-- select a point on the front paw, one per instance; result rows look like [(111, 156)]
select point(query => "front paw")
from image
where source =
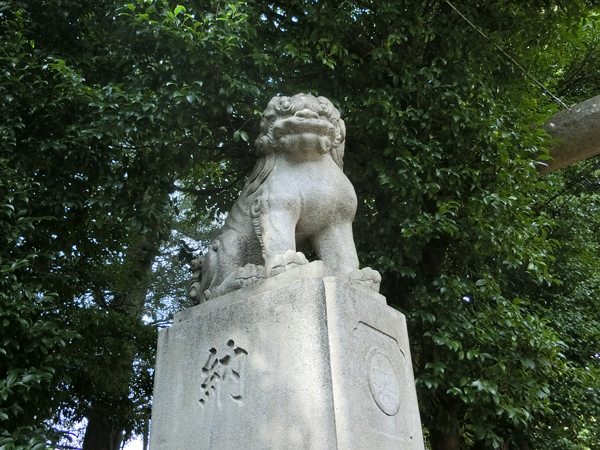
[(366, 277), (286, 262), (249, 274), (238, 279)]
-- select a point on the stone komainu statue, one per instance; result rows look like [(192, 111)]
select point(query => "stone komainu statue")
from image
[(296, 193)]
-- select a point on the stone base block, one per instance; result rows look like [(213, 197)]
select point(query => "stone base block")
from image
[(292, 363)]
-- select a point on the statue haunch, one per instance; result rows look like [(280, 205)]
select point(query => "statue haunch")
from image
[(296, 193)]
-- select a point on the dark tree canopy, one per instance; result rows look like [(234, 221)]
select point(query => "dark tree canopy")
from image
[(127, 131)]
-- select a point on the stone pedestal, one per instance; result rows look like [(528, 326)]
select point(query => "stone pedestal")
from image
[(300, 361)]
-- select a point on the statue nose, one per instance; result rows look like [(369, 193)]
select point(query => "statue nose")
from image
[(307, 114)]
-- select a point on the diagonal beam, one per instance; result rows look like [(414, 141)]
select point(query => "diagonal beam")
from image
[(577, 131)]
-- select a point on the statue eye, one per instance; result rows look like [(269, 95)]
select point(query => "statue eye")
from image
[(324, 109), (285, 104)]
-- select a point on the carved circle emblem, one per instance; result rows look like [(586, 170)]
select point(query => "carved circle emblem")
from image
[(383, 382)]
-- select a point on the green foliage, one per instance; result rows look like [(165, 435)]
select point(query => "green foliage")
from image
[(126, 121), (573, 72), (573, 309), (98, 120), (111, 367), (33, 335)]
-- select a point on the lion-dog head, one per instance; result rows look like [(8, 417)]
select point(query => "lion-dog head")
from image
[(295, 124), (302, 119)]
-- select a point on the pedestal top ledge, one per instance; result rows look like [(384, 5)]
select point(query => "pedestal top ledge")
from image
[(315, 269)]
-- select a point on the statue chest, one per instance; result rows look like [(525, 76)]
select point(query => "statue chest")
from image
[(315, 194)]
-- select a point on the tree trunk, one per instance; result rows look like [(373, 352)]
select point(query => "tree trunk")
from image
[(480, 445), (522, 443), (446, 437), (100, 434)]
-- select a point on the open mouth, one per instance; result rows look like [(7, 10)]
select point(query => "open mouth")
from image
[(307, 114), (304, 123)]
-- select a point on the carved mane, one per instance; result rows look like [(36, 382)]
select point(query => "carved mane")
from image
[(268, 145)]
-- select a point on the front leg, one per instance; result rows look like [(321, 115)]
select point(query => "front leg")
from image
[(278, 218), (334, 246)]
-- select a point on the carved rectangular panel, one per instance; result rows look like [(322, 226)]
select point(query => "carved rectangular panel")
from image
[(373, 384)]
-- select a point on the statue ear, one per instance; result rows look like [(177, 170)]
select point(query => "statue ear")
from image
[(342, 128), (337, 153), (337, 150)]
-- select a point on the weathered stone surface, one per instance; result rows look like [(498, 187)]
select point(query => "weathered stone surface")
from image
[(297, 193), (299, 361), (578, 132)]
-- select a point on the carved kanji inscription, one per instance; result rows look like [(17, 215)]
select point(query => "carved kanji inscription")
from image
[(224, 376)]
